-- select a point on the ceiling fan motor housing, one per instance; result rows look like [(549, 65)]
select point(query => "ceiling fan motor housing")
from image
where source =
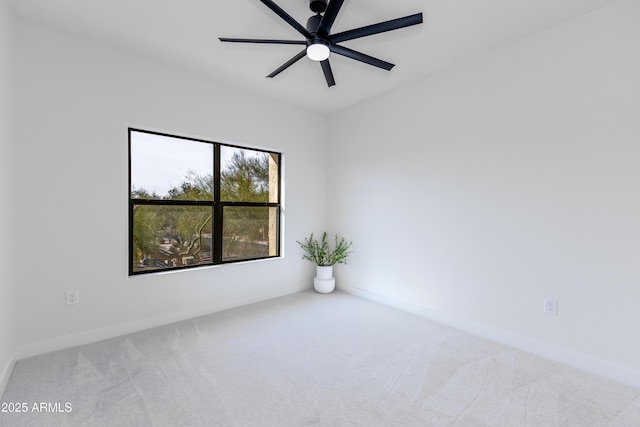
[(318, 6), (313, 23)]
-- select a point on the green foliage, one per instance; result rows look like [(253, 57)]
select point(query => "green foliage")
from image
[(145, 225), (185, 226), (194, 187), (141, 193), (165, 233), (320, 252), (245, 179)]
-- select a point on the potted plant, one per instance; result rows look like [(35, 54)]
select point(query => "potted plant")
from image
[(325, 258)]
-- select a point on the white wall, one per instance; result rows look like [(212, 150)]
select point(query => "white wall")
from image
[(7, 265), (475, 194), (75, 100)]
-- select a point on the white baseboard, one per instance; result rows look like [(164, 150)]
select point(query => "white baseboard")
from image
[(99, 334), (112, 331), (5, 373), (577, 360)]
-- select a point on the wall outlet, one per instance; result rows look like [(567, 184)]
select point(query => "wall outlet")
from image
[(551, 306), (73, 297)]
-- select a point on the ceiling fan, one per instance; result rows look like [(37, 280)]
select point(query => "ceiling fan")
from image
[(319, 42)]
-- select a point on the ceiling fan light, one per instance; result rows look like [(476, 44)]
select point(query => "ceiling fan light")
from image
[(318, 51)]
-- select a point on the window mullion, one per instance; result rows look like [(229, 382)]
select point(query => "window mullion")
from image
[(217, 207)]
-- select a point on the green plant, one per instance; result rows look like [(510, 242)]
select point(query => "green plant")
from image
[(320, 252)]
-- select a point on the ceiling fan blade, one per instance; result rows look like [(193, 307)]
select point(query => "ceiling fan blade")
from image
[(380, 27), (329, 17), (284, 15), (359, 56), (328, 74), (289, 63), (267, 41)]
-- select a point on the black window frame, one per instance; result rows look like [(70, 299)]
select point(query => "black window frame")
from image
[(217, 206)]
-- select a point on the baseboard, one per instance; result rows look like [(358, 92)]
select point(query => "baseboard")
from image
[(5, 374), (577, 360), (113, 331), (99, 334)]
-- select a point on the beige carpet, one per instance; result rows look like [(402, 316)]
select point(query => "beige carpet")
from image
[(309, 359)]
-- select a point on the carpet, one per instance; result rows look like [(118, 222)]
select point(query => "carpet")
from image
[(308, 359)]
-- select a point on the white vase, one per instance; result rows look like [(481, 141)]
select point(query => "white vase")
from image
[(324, 283)]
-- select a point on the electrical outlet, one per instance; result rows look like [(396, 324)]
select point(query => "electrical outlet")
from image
[(73, 297), (551, 307)]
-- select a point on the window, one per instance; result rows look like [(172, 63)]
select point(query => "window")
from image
[(195, 203)]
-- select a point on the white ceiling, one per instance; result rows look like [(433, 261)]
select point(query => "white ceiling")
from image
[(186, 32)]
